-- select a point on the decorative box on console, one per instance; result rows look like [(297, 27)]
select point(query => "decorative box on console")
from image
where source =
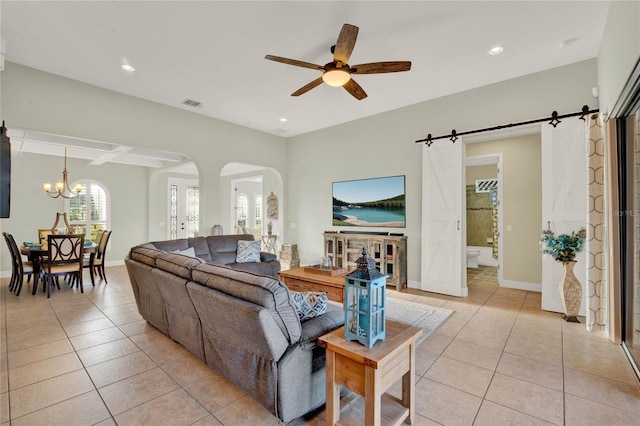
[(364, 302)]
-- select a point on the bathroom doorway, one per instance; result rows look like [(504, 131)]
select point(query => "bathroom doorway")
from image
[(484, 217)]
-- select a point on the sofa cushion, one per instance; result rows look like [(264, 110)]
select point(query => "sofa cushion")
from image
[(191, 252), (261, 290), (171, 245), (200, 246), (309, 304), (248, 252), (223, 248), (177, 264), (145, 255), (268, 257)]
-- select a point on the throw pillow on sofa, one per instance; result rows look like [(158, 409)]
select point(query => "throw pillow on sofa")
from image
[(248, 251), (309, 304), (191, 252)]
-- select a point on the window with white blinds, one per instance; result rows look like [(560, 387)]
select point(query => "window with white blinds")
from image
[(89, 211)]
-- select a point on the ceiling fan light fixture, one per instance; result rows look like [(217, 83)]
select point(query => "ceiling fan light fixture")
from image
[(336, 77)]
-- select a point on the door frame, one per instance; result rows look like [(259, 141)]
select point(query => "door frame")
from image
[(182, 183), (485, 160), (233, 199)]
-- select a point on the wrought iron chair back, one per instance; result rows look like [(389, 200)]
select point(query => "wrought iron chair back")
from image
[(18, 268), (65, 257)]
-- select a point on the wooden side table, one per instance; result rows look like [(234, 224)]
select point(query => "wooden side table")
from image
[(370, 372), (299, 279)]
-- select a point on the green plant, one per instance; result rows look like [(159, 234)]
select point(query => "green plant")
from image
[(563, 247)]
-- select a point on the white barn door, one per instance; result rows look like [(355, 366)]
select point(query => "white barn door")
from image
[(564, 200), (443, 225)]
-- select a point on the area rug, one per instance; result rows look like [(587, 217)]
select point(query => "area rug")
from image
[(428, 318)]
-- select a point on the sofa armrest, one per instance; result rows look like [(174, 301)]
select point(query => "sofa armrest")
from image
[(319, 326), (267, 257)]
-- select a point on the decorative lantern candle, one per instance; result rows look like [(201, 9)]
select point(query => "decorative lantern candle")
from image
[(364, 302)]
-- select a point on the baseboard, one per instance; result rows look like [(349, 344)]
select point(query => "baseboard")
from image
[(522, 285)]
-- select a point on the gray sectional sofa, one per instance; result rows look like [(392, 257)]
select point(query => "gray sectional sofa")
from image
[(242, 324), (221, 250)]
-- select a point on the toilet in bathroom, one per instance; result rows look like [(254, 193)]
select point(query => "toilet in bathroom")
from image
[(472, 257)]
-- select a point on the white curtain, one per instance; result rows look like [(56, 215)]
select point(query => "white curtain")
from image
[(595, 248)]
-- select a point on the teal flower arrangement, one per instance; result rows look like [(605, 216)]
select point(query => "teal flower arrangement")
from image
[(563, 247)]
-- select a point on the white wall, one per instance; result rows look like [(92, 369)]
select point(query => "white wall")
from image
[(619, 51), (36, 100), (383, 145), (32, 209)]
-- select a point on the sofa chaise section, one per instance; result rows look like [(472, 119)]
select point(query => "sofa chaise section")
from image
[(244, 325)]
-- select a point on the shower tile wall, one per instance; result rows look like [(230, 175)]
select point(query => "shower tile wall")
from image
[(479, 220)]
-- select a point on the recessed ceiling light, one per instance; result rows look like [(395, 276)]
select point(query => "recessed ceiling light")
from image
[(284, 120), (495, 50), (127, 67)]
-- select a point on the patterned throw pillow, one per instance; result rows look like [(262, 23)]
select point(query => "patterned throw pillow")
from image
[(309, 304), (248, 251)]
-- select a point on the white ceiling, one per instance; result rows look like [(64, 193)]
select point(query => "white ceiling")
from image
[(213, 51)]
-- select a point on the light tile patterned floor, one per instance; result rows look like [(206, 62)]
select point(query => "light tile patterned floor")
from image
[(91, 359)]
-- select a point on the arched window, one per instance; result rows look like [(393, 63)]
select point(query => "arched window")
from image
[(241, 212), (259, 211), (89, 211)]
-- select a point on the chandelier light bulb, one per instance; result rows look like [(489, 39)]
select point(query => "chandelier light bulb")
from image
[(47, 187)]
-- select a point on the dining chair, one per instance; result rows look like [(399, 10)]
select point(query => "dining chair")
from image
[(18, 268), (87, 260), (99, 258), (64, 258)]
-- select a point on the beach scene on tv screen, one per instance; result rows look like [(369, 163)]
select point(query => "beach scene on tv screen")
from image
[(370, 202)]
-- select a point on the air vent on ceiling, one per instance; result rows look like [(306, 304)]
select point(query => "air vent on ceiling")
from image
[(191, 103), (486, 185)]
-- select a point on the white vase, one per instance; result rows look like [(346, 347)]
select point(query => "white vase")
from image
[(570, 292)]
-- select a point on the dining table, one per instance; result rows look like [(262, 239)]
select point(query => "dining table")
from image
[(37, 254)]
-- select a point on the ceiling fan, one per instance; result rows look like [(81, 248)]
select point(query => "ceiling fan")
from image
[(338, 72)]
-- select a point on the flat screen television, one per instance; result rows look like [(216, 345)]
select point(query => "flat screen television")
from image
[(378, 202)]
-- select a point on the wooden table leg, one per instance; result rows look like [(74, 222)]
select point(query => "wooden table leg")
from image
[(333, 391), (409, 385), (372, 399)]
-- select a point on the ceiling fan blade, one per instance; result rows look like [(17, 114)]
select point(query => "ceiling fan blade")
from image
[(345, 43), (294, 62), (354, 88), (307, 87), (381, 67)]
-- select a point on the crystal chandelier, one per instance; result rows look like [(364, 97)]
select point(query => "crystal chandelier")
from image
[(62, 189)]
